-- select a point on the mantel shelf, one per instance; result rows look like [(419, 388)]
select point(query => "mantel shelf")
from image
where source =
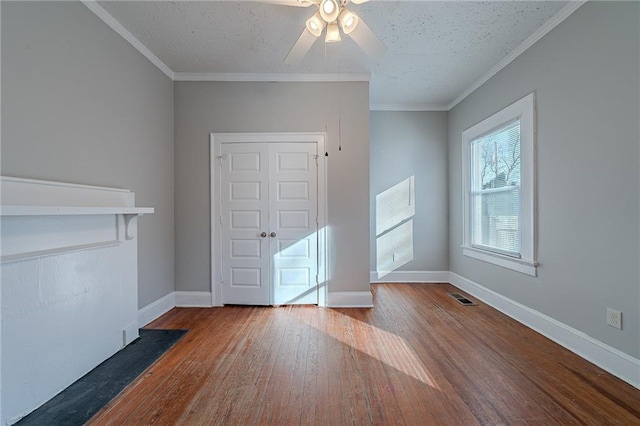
[(70, 210)]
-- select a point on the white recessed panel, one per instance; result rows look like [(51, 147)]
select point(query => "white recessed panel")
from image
[(244, 162), (245, 277), (30, 234), (290, 277), (245, 249), (293, 219), (294, 191), (245, 219), (294, 249), (293, 162), (243, 191)]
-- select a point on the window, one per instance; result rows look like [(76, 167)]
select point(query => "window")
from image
[(498, 179)]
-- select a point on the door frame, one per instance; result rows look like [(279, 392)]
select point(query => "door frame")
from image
[(216, 141)]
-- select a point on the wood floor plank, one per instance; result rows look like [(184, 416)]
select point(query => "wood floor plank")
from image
[(417, 358), (480, 366), (520, 347)]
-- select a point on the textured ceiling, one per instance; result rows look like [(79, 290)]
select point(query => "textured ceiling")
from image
[(436, 50)]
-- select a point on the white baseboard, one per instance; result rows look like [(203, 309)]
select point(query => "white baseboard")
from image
[(608, 358), (156, 309), (193, 299), (182, 299), (130, 333), (350, 299), (411, 277)]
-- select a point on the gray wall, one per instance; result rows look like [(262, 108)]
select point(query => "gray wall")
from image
[(405, 144), (81, 105), (585, 75), (205, 107)]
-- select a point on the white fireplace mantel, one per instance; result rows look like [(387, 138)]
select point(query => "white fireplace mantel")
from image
[(69, 292), (70, 210), (30, 198)]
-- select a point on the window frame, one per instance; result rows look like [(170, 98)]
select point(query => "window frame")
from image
[(523, 110)]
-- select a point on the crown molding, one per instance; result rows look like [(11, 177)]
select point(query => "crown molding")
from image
[(407, 107), (270, 77), (106, 17), (117, 27), (553, 22)]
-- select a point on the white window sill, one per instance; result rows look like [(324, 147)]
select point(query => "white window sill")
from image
[(519, 265)]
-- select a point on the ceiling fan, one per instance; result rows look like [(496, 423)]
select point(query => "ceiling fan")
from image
[(331, 16)]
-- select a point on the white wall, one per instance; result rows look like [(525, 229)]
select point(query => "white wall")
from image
[(64, 314), (205, 107), (81, 105), (585, 76), (404, 145)]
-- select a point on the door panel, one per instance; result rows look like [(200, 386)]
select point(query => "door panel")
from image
[(248, 249), (248, 219), (292, 161), (293, 213), (245, 191), (245, 215), (293, 191), (293, 219)]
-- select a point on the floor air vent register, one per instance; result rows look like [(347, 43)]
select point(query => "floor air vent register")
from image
[(462, 299)]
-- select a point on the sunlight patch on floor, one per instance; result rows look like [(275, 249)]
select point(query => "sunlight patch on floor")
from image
[(382, 345)]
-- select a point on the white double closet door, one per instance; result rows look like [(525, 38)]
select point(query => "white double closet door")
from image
[(269, 214)]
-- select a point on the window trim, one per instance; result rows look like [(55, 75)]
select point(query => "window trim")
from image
[(524, 110)]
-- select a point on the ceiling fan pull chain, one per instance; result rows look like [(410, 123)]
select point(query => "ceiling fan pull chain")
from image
[(339, 120), (326, 132), (339, 130)]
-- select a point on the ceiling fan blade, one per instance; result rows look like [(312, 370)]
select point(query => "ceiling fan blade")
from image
[(302, 46), (358, 1), (296, 3), (367, 40)]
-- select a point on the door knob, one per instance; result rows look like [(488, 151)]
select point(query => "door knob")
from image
[(272, 235), (264, 234)]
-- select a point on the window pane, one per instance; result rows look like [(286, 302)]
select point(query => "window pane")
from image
[(495, 220), (496, 158), (495, 189)]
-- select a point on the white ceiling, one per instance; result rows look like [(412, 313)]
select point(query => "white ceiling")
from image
[(436, 50)]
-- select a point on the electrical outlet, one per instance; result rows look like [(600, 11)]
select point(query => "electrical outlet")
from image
[(396, 257), (614, 318)]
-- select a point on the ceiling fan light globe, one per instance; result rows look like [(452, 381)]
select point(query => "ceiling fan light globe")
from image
[(328, 7), (329, 10), (348, 21), (333, 33), (316, 24)]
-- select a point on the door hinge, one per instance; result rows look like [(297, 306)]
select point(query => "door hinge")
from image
[(317, 279), (221, 278), (317, 221)]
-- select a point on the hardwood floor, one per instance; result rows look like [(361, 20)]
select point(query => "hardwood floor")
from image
[(417, 358)]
